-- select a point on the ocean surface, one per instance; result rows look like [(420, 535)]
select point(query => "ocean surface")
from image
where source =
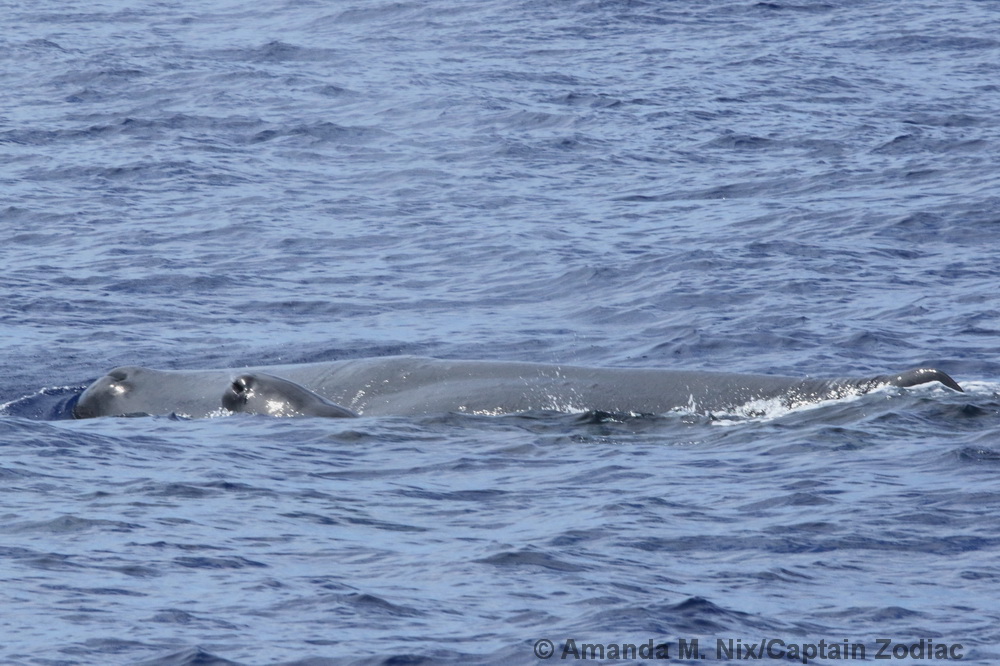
[(804, 188)]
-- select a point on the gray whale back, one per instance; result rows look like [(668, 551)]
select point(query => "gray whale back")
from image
[(412, 385)]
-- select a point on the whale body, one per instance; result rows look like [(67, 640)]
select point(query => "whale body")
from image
[(403, 385)]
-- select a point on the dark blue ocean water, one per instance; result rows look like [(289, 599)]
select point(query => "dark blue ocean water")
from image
[(804, 189)]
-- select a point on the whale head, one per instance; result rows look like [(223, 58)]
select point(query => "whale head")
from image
[(259, 393), (133, 390), (114, 394)]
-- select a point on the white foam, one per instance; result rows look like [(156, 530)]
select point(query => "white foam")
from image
[(774, 408), (981, 388), (41, 391)]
